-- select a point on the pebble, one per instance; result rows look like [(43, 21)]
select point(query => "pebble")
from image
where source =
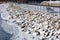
[(43, 39), (56, 36)]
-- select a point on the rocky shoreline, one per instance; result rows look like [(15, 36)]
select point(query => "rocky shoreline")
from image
[(44, 26)]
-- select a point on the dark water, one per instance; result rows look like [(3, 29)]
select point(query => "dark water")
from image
[(39, 1), (4, 35)]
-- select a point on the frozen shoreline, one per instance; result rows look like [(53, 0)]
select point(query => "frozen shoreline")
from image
[(18, 32)]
